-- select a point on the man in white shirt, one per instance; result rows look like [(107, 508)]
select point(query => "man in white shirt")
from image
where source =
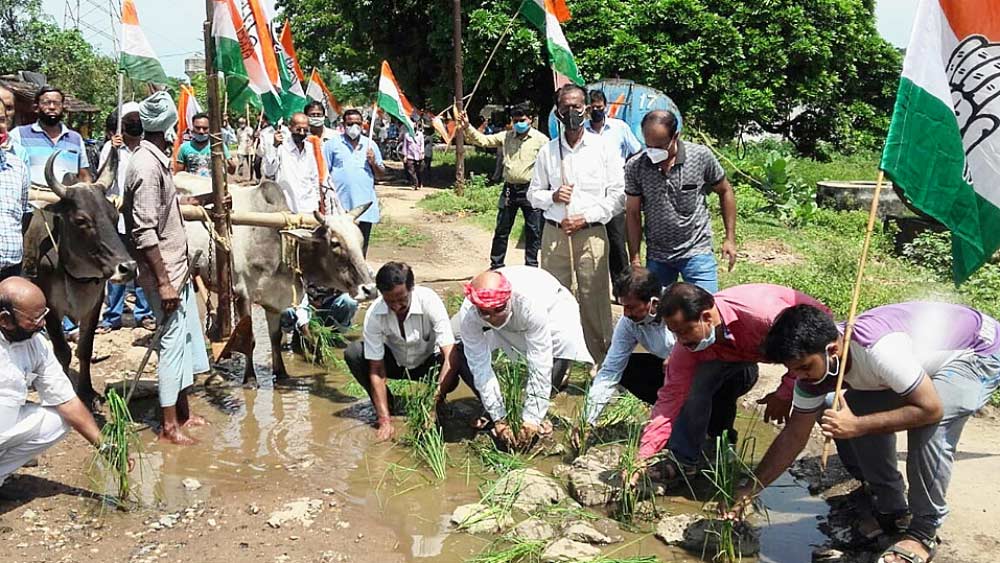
[(528, 314), (406, 333), (579, 184), (244, 148), (27, 361), (641, 373), (291, 162)]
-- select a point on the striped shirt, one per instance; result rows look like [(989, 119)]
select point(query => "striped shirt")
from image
[(40, 146), (14, 185)]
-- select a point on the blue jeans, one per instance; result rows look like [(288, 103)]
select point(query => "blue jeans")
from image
[(116, 304), (701, 270)]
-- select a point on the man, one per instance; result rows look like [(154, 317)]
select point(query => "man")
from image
[(667, 186), (153, 221), (620, 135), (920, 367), (14, 185), (578, 182), (8, 101), (720, 341), (528, 314), (244, 147), (354, 162), (48, 135), (519, 147), (228, 135), (126, 144), (638, 372), (26, 361), (428, 144), (195, 156), (406, 333), (317, 121), (291, 162), (413, 153)]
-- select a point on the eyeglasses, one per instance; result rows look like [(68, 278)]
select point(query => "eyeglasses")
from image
[(486, 313), (36, 321)]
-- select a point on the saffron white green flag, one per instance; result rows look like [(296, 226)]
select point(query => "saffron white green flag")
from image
[(257, 23), (534, 12), (293, 97), (560, 57), (943, 147), (391, 98), (137, 60), (235, 57)]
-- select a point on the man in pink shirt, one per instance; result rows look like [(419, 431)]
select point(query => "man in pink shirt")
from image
[(720, 339)]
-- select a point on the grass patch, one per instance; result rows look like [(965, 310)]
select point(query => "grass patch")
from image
[(995, 398), (389, 233), (511, 550), (478, 162), (109, 466)]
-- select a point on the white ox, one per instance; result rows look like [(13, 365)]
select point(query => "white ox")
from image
[(329, 256)]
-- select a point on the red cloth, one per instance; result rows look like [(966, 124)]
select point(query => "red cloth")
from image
[(489, 298)]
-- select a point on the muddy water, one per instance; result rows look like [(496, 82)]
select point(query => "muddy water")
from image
[(265, 434)]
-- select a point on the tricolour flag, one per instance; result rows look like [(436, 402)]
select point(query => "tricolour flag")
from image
[(317, 90), (137, 60), (391, 98), (257, 23), (235, 57), (293, 97), (560, 57), (187, 108), (534, 12), (943, 147)]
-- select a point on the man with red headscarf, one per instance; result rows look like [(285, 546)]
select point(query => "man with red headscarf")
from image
[(528, 314)]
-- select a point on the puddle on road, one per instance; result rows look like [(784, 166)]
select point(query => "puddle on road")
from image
[(258, 434)]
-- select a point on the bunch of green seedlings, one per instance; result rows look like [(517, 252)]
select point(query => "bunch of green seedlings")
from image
[(629, 467), (426, 437), (494, 459), (578, 436), (511, 549), (726, 472), (119, 441), (512, 374), (321, 346)]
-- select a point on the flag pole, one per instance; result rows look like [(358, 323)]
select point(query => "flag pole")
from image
[(121, 94), (510, 24), (852, 314)]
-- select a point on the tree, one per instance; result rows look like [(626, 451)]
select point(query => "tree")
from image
[(814, 71)]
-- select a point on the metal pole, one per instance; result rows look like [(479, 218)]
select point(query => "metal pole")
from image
[(219, 188), (459, 104)]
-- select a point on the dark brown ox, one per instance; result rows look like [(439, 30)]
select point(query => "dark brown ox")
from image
[(73, 258)]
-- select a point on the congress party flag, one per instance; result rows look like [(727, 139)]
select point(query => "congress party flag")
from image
[(137, 60)]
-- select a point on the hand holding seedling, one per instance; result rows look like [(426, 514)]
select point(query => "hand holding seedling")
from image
[(503, 434)]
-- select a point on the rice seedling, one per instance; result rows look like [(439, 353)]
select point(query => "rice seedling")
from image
[(511, 550), (322, 345), (628, 467), (578, 435), (493, 459), (625, 408), (119, 442), (512, 374), (425, 436), (636, 559), (499, 497), (725, 473)]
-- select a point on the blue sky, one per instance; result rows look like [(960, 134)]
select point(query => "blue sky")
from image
[(174, 27)]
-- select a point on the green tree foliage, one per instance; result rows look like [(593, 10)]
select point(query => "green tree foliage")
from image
[(814, 71), (64, 56)]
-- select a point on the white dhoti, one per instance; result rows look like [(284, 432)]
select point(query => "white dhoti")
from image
[(37, 429)]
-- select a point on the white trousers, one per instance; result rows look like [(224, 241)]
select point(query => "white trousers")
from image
[(37, 429)]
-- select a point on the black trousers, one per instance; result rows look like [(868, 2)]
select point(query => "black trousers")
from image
[(512, 199), (360, 367), (618, 262), (366, 232), (643, 376), (560, 368), (413, 170)]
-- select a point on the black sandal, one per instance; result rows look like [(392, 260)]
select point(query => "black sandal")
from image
[(908, 556)]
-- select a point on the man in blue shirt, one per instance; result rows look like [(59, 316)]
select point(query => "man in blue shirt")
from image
[(354, 162), (620, 135), (639, 372), (48, 135)]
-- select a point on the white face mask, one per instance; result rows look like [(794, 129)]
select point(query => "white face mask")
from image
[(651, 315), (316, 121), (657, 156), (354, 131), (831, 371)]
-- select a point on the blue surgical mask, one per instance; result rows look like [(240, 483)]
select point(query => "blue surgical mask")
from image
[(199, 137), (521, 127), (705, 342)]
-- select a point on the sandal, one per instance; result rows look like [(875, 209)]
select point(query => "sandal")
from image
[(671, 472), (148, 323), (908, 556), (104, 329)]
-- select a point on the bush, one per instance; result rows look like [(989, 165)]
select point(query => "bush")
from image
[(480, 197)]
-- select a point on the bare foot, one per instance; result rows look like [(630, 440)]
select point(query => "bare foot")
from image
[(175, 436), (194, 421)]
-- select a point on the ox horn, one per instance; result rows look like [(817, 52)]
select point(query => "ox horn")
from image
[(107, 175), (358, 211), (320, 218), (50, 176)]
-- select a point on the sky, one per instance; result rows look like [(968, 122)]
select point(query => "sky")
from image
[(174, 30)]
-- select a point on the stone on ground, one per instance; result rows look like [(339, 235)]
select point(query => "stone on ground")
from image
[(594, 479), (566, 550), (670, 528), (476, 518), (532, 489), (583, 532), (302, 510), (534, 529), (697, 534)]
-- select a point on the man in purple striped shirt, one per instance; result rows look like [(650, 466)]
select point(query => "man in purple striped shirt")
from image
[(921, 367)]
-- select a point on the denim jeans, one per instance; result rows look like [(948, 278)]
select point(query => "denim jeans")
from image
[(701, 270), (963, 385), (116, 305)]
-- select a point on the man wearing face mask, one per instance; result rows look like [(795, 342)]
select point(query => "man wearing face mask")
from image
[(48, 135), (291, 162), (27, 361), (720, 338), (354, 161), (620, 135), (668, 187), (635, 371), (578, 183), (528, 314), (195, 156), (244, 147), (520, 146), (918, 367), (317, 121)]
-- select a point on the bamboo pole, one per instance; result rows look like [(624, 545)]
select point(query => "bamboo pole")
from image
[(852, 315)]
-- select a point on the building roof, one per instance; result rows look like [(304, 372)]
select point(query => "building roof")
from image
[(26, 91)]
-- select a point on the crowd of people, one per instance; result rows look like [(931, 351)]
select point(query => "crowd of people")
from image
[(592, 198)]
